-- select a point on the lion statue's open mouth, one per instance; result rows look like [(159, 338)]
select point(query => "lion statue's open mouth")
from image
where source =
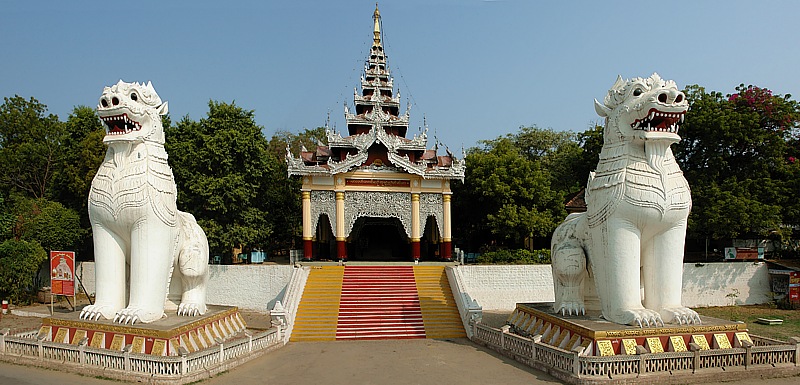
[(120, 124), (658, 121)]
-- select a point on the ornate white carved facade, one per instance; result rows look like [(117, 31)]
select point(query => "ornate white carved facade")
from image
[(430, 205), (323, 202), (359, 204), (375, 171)]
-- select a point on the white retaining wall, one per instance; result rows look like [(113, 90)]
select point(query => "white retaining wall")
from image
[(500, 287), (495, 287), (709, 284), (251, 287)]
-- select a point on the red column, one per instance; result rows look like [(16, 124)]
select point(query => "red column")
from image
[(341, 250), (308, 249), (415, 251), (446, 251)]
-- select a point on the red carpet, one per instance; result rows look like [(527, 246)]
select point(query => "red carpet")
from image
[(379, 302)]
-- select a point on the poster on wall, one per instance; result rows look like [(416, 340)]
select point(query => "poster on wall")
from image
[(744, 253), (794, 287), (62, 273)]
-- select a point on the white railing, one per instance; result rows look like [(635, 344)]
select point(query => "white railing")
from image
[(468, 308), (285, 311), (123, 365), (765, 354)]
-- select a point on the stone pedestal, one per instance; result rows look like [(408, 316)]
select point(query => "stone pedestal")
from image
[(163, 337), (594, 336)]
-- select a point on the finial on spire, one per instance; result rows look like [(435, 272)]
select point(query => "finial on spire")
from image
[(377, 30)]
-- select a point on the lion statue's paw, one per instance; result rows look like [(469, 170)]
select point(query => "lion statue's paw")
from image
[(132, 315), (680, 315), (639, 317), (571, 308), (191, 309), (94, 312)]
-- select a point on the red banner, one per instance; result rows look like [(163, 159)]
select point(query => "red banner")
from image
[(377, 182), (62, 273)]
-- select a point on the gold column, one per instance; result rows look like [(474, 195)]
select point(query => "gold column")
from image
[(341, 237), (340, 231), (308, 234), (446, 247), (446, 237), (415, 232)]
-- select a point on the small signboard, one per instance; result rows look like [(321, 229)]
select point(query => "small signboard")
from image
[(744, 253), (794, 287), (62, 273)]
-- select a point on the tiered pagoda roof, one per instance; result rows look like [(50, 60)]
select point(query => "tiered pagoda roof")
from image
[(376, 131)]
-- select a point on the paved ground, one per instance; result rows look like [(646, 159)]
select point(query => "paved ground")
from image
[(457, 361), (11, 374), (405, 362), (431, 362)]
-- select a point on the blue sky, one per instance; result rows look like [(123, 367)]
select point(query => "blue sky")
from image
[(475, 69)]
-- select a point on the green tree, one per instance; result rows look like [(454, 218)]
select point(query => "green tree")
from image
[(19, 263), (283, 193), (591, 143), (49, 224), (221, 166), (308, 138), (736, 154), (83, 152), (30, 146), (6, 219), (559, 153), (506, 197)]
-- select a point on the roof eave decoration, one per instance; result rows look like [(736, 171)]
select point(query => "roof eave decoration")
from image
[(455, 171), (376, 78), (348, 163), (296, 166)]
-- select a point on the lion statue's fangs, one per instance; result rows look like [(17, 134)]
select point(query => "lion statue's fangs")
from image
[(638, 203), (139, 235)]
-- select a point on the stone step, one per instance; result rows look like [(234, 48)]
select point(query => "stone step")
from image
[(377, 302)]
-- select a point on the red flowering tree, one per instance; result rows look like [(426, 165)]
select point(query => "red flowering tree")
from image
[(739, 153)]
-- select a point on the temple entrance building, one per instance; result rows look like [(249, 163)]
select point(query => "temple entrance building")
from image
[(375, 195)]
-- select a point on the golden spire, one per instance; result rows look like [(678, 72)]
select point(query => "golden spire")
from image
[(377, 30)]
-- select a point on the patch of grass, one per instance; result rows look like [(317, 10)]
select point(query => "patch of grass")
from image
[(748, 314)]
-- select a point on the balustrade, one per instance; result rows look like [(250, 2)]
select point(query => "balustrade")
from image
[(766, 353), (142, 364)]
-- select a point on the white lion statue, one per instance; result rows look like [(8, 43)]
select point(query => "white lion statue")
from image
[(140, 237), (638, 203)]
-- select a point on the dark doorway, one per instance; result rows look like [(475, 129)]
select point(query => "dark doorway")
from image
[(378, 239), (325, 245), (429, 244)]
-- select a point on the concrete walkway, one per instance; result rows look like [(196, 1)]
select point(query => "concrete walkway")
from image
[(420, 361)]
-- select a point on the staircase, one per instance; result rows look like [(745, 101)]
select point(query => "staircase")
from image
[(439, 309), (319, 306), (377, 302)]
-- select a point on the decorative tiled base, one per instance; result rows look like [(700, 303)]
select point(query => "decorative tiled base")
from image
[(594, 336), (163, 337)]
